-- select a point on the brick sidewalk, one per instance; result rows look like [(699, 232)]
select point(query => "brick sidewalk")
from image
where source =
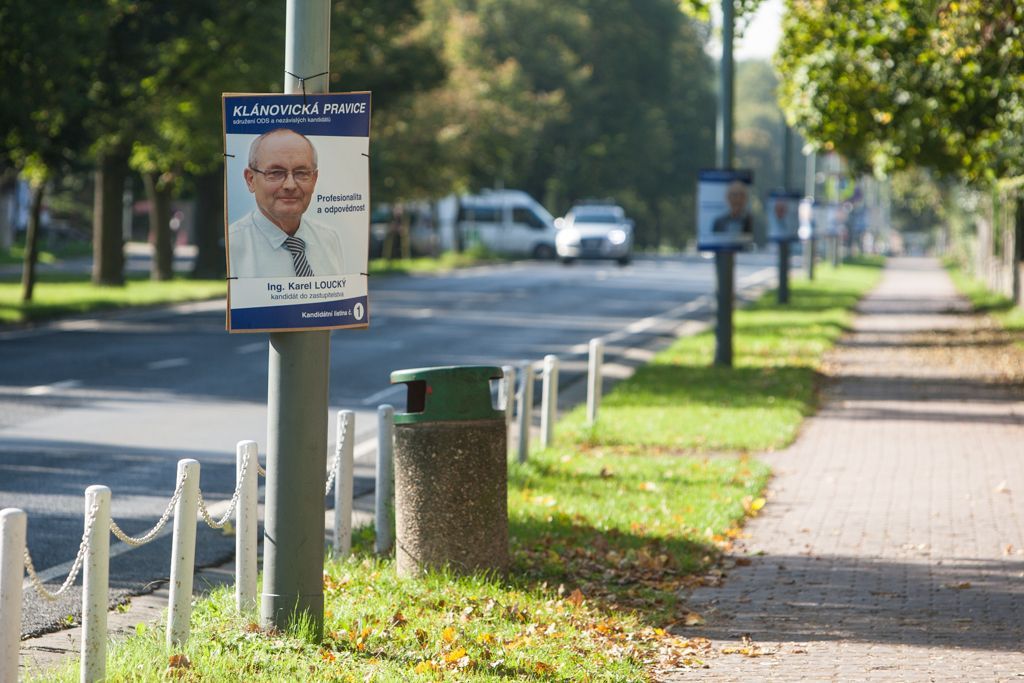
[(891, 547)]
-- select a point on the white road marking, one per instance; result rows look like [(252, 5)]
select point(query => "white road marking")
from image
[(373, 398), (167, 363), (253, 347), (43, 389)]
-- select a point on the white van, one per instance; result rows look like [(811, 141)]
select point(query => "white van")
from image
[(506, 222)]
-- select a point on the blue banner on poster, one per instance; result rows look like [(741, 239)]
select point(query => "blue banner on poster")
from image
[(319, 315), (337, 114)]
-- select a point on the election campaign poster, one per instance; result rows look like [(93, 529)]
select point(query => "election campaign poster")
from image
[(297, 210), (783, 216), (828, 219), (724, 221)]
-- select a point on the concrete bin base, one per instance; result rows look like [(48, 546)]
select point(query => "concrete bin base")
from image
[(451, 496)]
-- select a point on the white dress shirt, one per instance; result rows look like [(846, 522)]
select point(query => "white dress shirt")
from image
[(257, 248)]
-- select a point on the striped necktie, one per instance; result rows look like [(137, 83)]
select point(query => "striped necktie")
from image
[(298, 249)]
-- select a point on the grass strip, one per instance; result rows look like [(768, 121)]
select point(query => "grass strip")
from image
[(983, 300), (609, 529), (680, 401), (59, 295)]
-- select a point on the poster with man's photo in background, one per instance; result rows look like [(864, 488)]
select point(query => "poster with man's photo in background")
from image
[(297, 209), (783, 209), (724, 221)]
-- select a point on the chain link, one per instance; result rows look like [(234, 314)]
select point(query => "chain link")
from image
[(151, 534), (219, 524), (82, 549)]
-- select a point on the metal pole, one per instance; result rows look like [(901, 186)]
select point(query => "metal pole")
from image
[(725, 91), (549, 401), (13, 523), (725, 259), (293, 552), (384, 499), (247, 525), (96, 586), (595, 364), (525, 410), (783, 272), (787, 156), (343, 482), (183, 555)]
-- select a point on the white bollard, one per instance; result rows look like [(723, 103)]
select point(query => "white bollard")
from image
[(525, 409), (594, 366), (246, 523), (549, 401), (343, 476), (13, 523), (508, 390), (96, 586), (384, 500), (183, 554)]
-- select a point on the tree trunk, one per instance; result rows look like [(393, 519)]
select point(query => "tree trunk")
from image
[(159, 196), (209, 225), (28, 271), (107, 219)]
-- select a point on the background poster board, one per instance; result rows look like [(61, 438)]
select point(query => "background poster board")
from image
[(723, 209), (261, 296), (827, 219), (783, 216)]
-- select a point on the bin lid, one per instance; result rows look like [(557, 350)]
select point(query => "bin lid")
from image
[(444, 394)]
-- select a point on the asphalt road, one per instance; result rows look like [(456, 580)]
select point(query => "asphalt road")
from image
[(118, 399)]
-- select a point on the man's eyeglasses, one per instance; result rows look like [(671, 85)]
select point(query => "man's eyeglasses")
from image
[(277, 175)]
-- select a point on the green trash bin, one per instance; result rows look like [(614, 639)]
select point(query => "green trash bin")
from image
[(451, 472)]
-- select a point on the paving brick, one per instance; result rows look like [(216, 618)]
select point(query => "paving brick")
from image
[(890, 549)]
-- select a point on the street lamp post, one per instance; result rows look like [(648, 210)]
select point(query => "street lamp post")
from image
[(299, 363), (725, 259)]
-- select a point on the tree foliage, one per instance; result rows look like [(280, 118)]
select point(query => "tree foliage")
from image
[(895, 83)]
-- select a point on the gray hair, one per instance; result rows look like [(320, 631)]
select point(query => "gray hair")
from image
[(254, 148)]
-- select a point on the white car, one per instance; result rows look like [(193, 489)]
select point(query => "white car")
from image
[(595, 231)]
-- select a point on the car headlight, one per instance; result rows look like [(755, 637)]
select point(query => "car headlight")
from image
[(617, 236), (568, 236)]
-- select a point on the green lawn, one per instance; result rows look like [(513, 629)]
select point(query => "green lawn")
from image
[(983, 300), (58, 295), (609, 528), (681, 401)]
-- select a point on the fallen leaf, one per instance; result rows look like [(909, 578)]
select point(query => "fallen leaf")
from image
[(425, 667), (693, 619), (485, 638), (1002, 487), (448, 634), (455, 655), (576, 597), (606, 473), (959, 585), (542, 668), (178, 662), (743, 561), (648, 486)]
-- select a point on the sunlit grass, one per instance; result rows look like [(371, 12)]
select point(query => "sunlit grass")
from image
[(61, 295), (681, 401)]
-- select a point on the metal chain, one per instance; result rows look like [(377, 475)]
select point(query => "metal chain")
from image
[(234, 498), (151, 534), (82, 548), (259, 470), (337, 454)]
